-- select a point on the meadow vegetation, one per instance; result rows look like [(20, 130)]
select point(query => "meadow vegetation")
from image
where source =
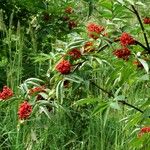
[(74, 75)]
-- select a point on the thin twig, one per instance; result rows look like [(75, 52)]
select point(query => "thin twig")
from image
[(126, 7), (136, 43), (140, 44), (120, 101), (105, 91), (125, 103), (142, 27), (78, 65), (106, 45)]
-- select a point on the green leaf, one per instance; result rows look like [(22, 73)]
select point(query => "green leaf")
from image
[(91, 8), (33, 135), (119, 97), (130, 1), (107, 4), (44, 95), (45, 110), (136, 143), (75, 44), (35, 108), (106, 114), (100, 108), (106, 13), (74, 78), (146, 113), (141, 4), (121, 2), (134, 120), (32, 83), (24, 88), (45, 103), (59, 91), (86, 101), (144, 78), (145, 65), (34, 80), (114, 105)]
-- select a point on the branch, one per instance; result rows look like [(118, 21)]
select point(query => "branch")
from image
[(120, 101), (125, 103), (125, 6), (142, 27), (110, 42), (77, 65), (140, 44), (105, 91), (106, 45)]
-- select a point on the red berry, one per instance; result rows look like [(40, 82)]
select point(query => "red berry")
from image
[(75, 53), (64, 67), (126, 39), (146, 20), (69, 10), (25, 110), (144, 130), (6, 93), (94, 30), (123, 53)]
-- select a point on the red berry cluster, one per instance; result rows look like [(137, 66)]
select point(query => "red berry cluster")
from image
[(25, 110), (6, 93), (144, 130), (123, 53), (126, 39), (69, 10), (75, 53), (70, 22), (94, 30), (146, 20), (64, 67), (36, 90)]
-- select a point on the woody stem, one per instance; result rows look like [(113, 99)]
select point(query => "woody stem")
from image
[(142, 27)]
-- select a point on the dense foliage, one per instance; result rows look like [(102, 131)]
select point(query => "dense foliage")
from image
[(74, 74)]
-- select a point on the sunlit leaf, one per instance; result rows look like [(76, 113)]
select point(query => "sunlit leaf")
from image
[(114, 105), (145, 65), (100, 108), (86, 101)]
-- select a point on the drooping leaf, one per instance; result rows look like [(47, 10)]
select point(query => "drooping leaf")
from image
[(45, 110), (59, 91), (75, 44), (100, 108), (145, 65), (74, 78)]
